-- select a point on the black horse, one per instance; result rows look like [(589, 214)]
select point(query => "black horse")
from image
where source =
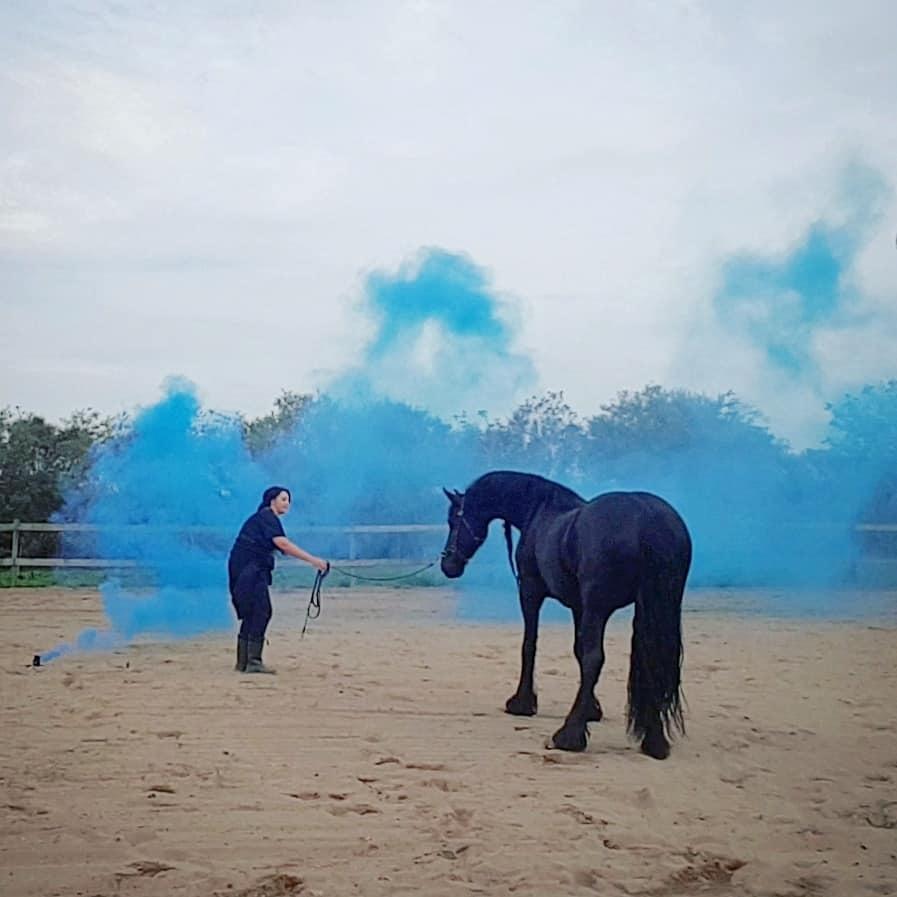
[(594, 557)]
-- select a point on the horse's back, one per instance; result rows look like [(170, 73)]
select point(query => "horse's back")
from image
[(632, 521)]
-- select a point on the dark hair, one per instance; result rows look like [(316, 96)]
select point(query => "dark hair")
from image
[(271, 493)]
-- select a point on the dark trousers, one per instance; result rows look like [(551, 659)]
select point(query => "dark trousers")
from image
[(251, 600)]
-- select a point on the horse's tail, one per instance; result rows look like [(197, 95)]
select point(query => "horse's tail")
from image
[(655, 664)]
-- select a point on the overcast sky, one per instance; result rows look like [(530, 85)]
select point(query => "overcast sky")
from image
[(203, 188)]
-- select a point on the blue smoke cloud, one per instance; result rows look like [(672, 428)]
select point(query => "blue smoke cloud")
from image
[(178, 467), (443, 340), (362, 457), (379, 447), (761, 516), (366, 463), (779, 304), (437, 286), (87, 640)]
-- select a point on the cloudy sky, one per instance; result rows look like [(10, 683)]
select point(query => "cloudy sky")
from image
[(700, 195)]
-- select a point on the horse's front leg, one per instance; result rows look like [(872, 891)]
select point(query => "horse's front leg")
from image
[(596, 714), (523, 702), (574, 734)]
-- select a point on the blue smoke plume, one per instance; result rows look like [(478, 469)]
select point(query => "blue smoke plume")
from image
[(177, 468), (362, 457), (443, 340), (779, 304), (86, 640), (378, 448), (761, 516)]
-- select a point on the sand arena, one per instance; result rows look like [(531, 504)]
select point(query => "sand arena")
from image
[(379, 762)]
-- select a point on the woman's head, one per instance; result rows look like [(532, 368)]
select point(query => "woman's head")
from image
[(277, 498)]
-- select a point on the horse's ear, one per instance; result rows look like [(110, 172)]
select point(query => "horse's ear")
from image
[(451, 496)]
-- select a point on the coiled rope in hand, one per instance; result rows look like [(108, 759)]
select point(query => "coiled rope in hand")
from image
[(313, 611)]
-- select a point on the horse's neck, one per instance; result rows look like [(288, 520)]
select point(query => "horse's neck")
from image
[(514, 497)]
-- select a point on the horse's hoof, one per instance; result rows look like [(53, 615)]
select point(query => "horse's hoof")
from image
[(656, 747), (569, 739), (521, 706), (596, 714)]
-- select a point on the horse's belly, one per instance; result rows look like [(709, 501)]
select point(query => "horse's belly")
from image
[(564, 588), (570, 600)]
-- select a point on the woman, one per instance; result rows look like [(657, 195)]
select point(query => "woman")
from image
[(249, 569)]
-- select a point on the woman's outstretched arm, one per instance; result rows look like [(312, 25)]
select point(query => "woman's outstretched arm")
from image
[(290, 548)]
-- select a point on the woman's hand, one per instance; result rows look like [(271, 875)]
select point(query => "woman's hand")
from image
[(321, 565)]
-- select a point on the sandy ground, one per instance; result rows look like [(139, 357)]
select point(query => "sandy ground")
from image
[(379, 761)]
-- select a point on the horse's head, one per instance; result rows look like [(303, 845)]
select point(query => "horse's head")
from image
[(467, 531)]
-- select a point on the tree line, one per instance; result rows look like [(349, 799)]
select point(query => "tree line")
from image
[(669, 431)]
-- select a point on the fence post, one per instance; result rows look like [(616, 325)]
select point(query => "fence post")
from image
[(14, 553)]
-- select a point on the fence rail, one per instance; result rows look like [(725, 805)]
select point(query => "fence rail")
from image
[(16, 526), (17, 560)]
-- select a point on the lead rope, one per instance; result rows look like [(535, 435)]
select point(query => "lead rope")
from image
[(313, 611), (385, 578)]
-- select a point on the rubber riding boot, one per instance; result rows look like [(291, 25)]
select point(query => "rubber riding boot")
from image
[(254, 663), (242, 654)]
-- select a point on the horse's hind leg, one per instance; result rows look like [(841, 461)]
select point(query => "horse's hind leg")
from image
[(596, 714), (655, 744), (574, 734), (524, 702)]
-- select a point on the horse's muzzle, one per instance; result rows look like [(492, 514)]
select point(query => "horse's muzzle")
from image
[(452, 566)]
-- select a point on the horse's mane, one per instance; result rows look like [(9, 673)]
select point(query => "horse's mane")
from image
[(540, 489)]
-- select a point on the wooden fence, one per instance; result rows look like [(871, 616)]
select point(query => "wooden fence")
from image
[(352, 534), (17, 560)]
